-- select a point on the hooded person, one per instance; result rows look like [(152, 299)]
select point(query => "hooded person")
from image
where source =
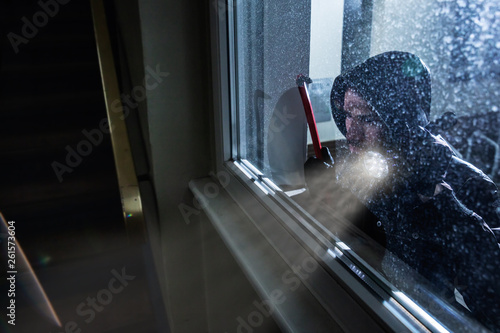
[(436, 210), (397, 88)]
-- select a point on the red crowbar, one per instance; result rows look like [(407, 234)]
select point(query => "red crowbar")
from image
[(301, 81)]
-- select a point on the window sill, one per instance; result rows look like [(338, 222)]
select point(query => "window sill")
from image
[(288, 264)]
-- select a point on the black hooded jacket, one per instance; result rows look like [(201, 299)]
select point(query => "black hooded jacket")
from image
[(446, 237)]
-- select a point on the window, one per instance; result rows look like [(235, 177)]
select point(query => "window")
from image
[(265, 141)]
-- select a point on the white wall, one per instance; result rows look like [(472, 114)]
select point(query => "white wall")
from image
[(326, 38), (326, 53)]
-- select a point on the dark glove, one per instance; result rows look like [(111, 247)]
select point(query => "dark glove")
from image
[(317, 172), (314, 164)]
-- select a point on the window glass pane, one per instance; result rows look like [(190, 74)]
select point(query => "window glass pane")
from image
[(273, 41), (406, 98), (460, 43)]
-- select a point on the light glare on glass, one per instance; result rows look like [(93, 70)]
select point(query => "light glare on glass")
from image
[(375, 165)]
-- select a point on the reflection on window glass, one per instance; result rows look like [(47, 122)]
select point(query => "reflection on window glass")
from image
[(410, 92), (273, 42)]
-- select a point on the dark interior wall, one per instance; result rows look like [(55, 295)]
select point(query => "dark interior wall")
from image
[(59, 185), (203, 287)]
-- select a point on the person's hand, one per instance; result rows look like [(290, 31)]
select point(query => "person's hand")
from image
[(318, 171), (326, 160)]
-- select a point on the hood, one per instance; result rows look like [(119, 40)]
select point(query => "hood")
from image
[(396, 84)]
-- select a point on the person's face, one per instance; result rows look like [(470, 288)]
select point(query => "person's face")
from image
[(365, 130)]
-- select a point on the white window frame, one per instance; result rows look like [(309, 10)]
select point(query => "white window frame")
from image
[(249, 209)]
